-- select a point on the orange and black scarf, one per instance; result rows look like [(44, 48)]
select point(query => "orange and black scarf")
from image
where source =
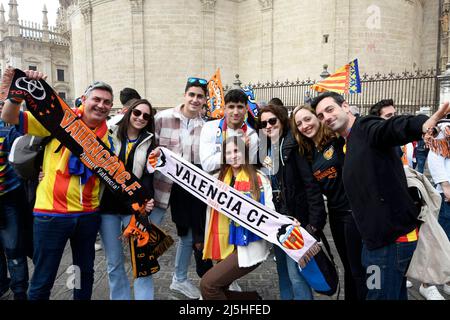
[(441, 145), (65, 124)]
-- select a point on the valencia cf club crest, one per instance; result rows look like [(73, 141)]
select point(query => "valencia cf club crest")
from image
[(329, 153), (290, 237)]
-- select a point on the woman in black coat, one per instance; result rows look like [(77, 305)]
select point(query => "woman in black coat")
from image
[(295, 193), (325, 151)]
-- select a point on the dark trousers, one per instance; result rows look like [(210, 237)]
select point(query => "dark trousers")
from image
[(50, 237), (201, 266), (389, 265), (421, 158), (444, 216), (12, 253), (349, 246), (214, 284)]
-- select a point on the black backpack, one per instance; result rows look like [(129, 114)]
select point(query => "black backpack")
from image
[(26, 155)]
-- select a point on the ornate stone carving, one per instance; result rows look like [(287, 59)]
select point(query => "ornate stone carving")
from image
[(266, 4), (208, 5), (444, 22), (137, 6), (87, 14)]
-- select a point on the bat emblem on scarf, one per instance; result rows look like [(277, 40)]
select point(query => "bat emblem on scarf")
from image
[(290, 237), (137, 230)]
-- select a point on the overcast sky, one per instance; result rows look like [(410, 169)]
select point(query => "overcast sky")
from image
[(31, 10)]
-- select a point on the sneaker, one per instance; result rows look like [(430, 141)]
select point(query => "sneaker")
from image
[(98, 246), (430, 293), (409, 284), (234, 286), (186, 288), (447, 289)]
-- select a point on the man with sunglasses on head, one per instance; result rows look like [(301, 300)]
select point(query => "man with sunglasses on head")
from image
[(178, 129), (67, 198), (233, 124)]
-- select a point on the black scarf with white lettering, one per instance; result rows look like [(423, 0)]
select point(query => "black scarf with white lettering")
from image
[(147, 242)]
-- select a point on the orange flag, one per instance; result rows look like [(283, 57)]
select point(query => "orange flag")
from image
[(216, 102)]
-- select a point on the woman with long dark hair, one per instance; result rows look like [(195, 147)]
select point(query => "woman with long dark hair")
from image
[(325, 151), (237, 250), (133, 140), (295, 193)]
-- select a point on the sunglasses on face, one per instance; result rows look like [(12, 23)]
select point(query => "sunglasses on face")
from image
[(271, 121), (197, 80), (137, 113)]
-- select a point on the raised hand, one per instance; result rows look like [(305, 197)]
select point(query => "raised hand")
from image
[(441, 113)]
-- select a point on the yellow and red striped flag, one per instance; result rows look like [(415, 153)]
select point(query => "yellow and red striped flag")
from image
[(344, 80)]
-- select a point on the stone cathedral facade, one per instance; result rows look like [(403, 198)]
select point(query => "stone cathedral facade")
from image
[(154, 46)]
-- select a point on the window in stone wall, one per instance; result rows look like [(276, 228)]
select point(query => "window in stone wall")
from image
[(62, 95), (325, 38), (32, 68), (60, 74)]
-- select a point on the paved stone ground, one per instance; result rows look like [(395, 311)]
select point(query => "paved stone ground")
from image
[(264, 279)]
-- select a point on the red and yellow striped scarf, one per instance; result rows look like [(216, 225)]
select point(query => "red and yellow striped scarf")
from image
[(217, 246)]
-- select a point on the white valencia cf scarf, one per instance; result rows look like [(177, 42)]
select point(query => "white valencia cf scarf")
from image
[(262, 221)]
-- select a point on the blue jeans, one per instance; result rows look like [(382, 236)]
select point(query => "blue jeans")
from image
[(444, 216), (157, 215), (50, 237), (183, 256), (421, 158), (392, 262), (12, 251), (293, 285), (119, 285)]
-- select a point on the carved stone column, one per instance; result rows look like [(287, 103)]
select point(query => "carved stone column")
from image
[(444, 83), (86, 11), (3, 27), (341, 34), (445, 36), (209, 37), (138, 44), (266, 72)]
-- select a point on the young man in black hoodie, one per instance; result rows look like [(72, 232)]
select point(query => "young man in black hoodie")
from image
[(376, 187)]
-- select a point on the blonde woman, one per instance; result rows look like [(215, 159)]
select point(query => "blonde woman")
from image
[(326, 152)]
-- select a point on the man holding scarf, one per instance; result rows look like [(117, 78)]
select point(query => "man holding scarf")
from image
[(233, 124), (67, 198)]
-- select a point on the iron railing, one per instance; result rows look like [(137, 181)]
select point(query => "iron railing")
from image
[(411, 91)]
